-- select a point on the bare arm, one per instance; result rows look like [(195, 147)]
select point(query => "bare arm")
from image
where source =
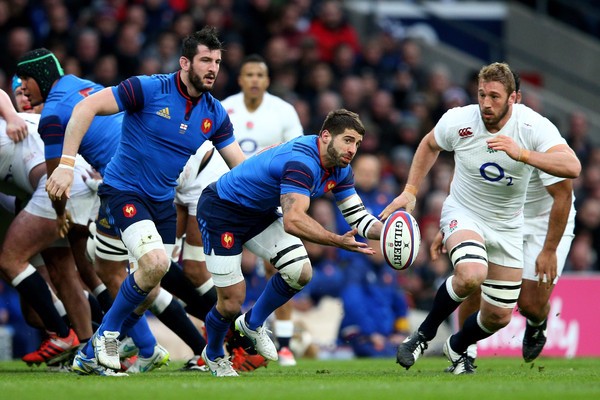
[(16, 127), (425, 156), (232, 154), (298, 223), (101, 103), (546, 262), (559, 160)]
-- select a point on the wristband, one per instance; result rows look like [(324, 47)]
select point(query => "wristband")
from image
[(67, 160), (523, 155), (64, 166), (411, 189)]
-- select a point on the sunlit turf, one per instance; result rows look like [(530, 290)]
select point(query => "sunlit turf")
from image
[(495, 378)]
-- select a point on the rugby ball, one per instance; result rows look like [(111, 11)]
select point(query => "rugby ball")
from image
[(400, 240)]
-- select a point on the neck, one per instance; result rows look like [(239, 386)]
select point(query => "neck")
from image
[(252, 103), (187, 86)]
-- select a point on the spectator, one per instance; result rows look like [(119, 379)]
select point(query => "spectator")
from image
[(330, 29)]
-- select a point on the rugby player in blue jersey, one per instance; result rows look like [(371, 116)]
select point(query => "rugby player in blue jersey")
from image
[(240, 209), (167, 117)]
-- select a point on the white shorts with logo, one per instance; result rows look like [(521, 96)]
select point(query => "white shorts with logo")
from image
[(83, 204), (504, 245), (191, 183)]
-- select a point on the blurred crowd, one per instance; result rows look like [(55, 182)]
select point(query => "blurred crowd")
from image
[(318, 62)]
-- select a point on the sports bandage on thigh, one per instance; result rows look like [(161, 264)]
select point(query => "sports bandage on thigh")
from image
[(106, 248), (141, 238), (469, 251), (502, 294), (193, 253), (161, 302), (356, 215), (289, 263), (225, 270)]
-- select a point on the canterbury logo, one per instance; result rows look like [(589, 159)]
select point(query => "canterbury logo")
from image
[(164, 113), (465, 132)]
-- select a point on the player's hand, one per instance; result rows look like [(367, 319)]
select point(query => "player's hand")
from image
[(505, 144), (59, 183), (437, 247), (406, 200), (63, 223), (93, 180), (350, 243), (16, 128), (546, 265)]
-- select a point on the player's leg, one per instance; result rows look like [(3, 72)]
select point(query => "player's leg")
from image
[(26, 236), (534, 300), (499, 294), (141, 237), (289, 257), (468, 256), (283, 325)]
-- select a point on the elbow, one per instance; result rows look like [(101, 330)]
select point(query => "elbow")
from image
[(574, 170)]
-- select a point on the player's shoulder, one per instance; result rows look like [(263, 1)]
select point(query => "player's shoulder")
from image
[(462, 114), (528, 116), (31, 119), (233, 101)]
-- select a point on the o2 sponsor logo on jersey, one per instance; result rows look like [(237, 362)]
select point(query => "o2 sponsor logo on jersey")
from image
[(129, 210), (465, 132), (206, 125), (227, 240)]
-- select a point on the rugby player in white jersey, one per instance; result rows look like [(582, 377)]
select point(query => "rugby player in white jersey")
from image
[(260, 120), (545, 249), (496, 145), (32, 231)]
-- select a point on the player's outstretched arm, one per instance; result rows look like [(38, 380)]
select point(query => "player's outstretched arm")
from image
[(424, 158), (298, 223), (101, 103)]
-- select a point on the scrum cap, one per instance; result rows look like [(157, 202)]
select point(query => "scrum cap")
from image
[(41, 65)]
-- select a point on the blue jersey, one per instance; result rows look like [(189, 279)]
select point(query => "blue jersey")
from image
[(291, 167), (100, 141), (163, 126)]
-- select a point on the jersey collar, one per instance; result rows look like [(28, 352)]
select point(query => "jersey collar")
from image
[(182, 89)]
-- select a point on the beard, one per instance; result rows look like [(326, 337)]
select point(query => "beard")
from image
[(197, 83), (334, 156), (493, 123)]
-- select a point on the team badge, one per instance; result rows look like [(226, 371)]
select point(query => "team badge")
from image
[(183, 128), (249, 125), (206, 125), (453, 224), (330, 185), (129, 210), (227, 240)]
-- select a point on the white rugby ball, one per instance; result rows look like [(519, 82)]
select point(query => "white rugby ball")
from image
[(400, 240)]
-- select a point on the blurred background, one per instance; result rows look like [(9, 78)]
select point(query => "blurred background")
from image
[(399, 64)]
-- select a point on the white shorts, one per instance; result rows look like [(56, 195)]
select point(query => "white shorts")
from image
[(227, 270), (532, 245), (191, 183), (83, 204), (504, 246)]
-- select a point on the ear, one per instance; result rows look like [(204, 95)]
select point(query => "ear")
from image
[(325, 136), (184, 63)]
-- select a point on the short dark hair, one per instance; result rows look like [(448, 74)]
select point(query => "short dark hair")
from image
[(338, 121), (517, 81), (208, 37), (253, 58)]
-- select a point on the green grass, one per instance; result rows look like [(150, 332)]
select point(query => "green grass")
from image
[(496, 378)]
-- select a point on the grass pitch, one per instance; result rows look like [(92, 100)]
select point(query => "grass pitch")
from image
[(377, 379)]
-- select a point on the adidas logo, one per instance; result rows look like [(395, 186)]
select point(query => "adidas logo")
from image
[(164, 113)]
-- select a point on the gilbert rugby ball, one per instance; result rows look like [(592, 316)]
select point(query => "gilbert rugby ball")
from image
[(400, 240)]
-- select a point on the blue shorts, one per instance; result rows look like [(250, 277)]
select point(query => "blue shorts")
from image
[(122, 209), (226, 226)]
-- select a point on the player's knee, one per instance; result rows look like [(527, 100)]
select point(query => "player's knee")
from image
[(294, 266), (154, 265), (496, 319), (468, 278)]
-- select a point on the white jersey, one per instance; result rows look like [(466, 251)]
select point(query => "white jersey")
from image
[(489, 183), (274, 121), (18, 159), (539, 202)]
